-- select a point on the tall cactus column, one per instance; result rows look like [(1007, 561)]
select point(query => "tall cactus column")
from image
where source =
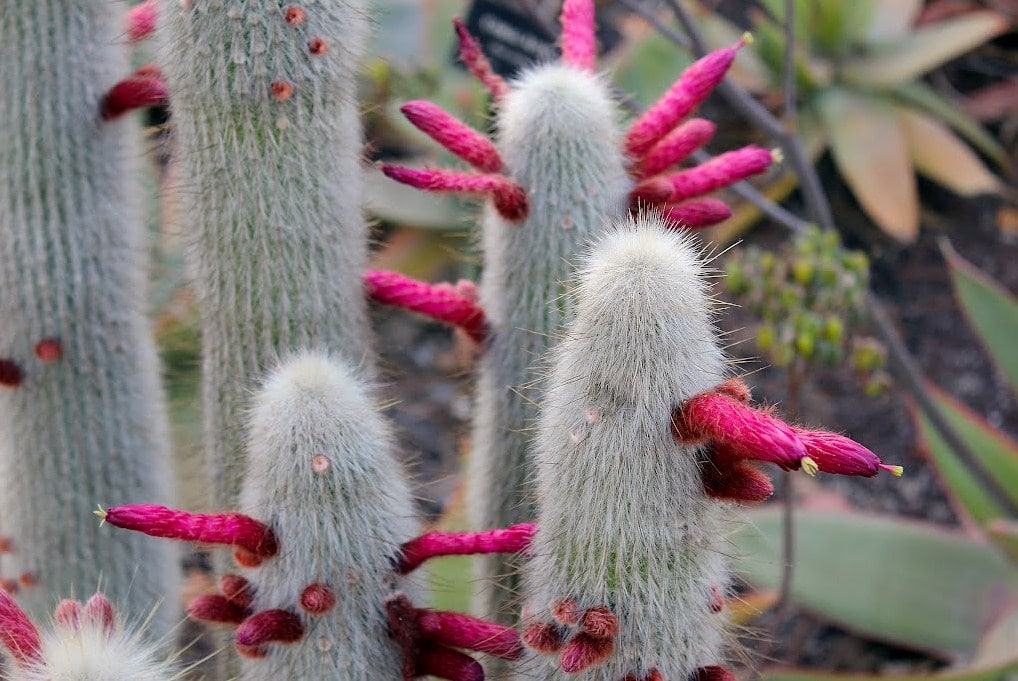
[(268, 186), (81, 413)]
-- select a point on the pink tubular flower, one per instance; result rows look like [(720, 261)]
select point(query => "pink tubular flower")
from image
[(134, 92), (217, 609), (453, 134), (676, 146), (579, 48), (475, 61), (270, 626), (17, 633), (141, 20), (510, 199), (463, 631), (448, 664), (720, 171), (686, 94), (433, 544), (838, 454), (235, 529), (746, 432), (694, 214), (442, 302)]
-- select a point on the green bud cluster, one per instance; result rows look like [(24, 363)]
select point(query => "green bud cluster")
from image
[(810, 299)]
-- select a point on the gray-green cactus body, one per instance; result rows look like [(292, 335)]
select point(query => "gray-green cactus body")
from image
[(559, 139), (268, 183), (87, 421), (322, 474), (624, 522)]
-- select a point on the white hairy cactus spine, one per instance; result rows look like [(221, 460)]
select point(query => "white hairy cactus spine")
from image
[(624, 522), (322, 474), (82, 416), (269, 192), (560, 141)]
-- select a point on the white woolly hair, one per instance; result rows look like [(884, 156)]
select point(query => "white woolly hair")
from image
[(624, 521), (323, 474), (93, 653)]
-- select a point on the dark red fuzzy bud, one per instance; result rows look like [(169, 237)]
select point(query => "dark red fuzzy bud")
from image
[(270, 626)]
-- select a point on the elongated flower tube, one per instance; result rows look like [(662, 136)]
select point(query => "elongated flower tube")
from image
[(559, 142), (87, 642), (442, 302), (82, 414)]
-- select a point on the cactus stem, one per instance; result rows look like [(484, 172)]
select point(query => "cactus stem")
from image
[(720, 171), (579, 45), (453, 134), (28, 580), (691, 88), (141, 20), (317, 599), (139, 90), (510, 198), (441, 302), (48, 350), (218, 609), (270, 626), (676, 146), (11, 375), (237, 590), (447, 664), (433, 544), (473, 57), (234, 529), (717, 601), (585, 651), (694, 214), (544, 638), (746, 432), (17, 632)]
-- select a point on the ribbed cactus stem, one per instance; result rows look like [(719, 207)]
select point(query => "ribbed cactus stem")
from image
[(82, 416), (87, 643), (267, 167), (559, 140), (322, 474), (629, 552)]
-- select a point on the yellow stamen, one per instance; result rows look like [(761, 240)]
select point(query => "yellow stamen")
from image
[(809, 466), (101, 514)]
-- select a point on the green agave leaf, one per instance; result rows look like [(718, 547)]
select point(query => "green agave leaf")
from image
[(921, 96), (897, 580), (872, 155), (1004, 534), (939, 155), (991, 310), (998, 645), (892, 19), (995, 452), (996, 672), (830, 25), (909, 57)]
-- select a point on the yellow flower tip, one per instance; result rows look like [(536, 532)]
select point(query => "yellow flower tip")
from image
[(101, 513), (809, 466), (896, 471), (747, 38), (777, 155)]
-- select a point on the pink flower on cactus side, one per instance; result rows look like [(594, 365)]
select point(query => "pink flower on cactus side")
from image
[(736, 434)]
